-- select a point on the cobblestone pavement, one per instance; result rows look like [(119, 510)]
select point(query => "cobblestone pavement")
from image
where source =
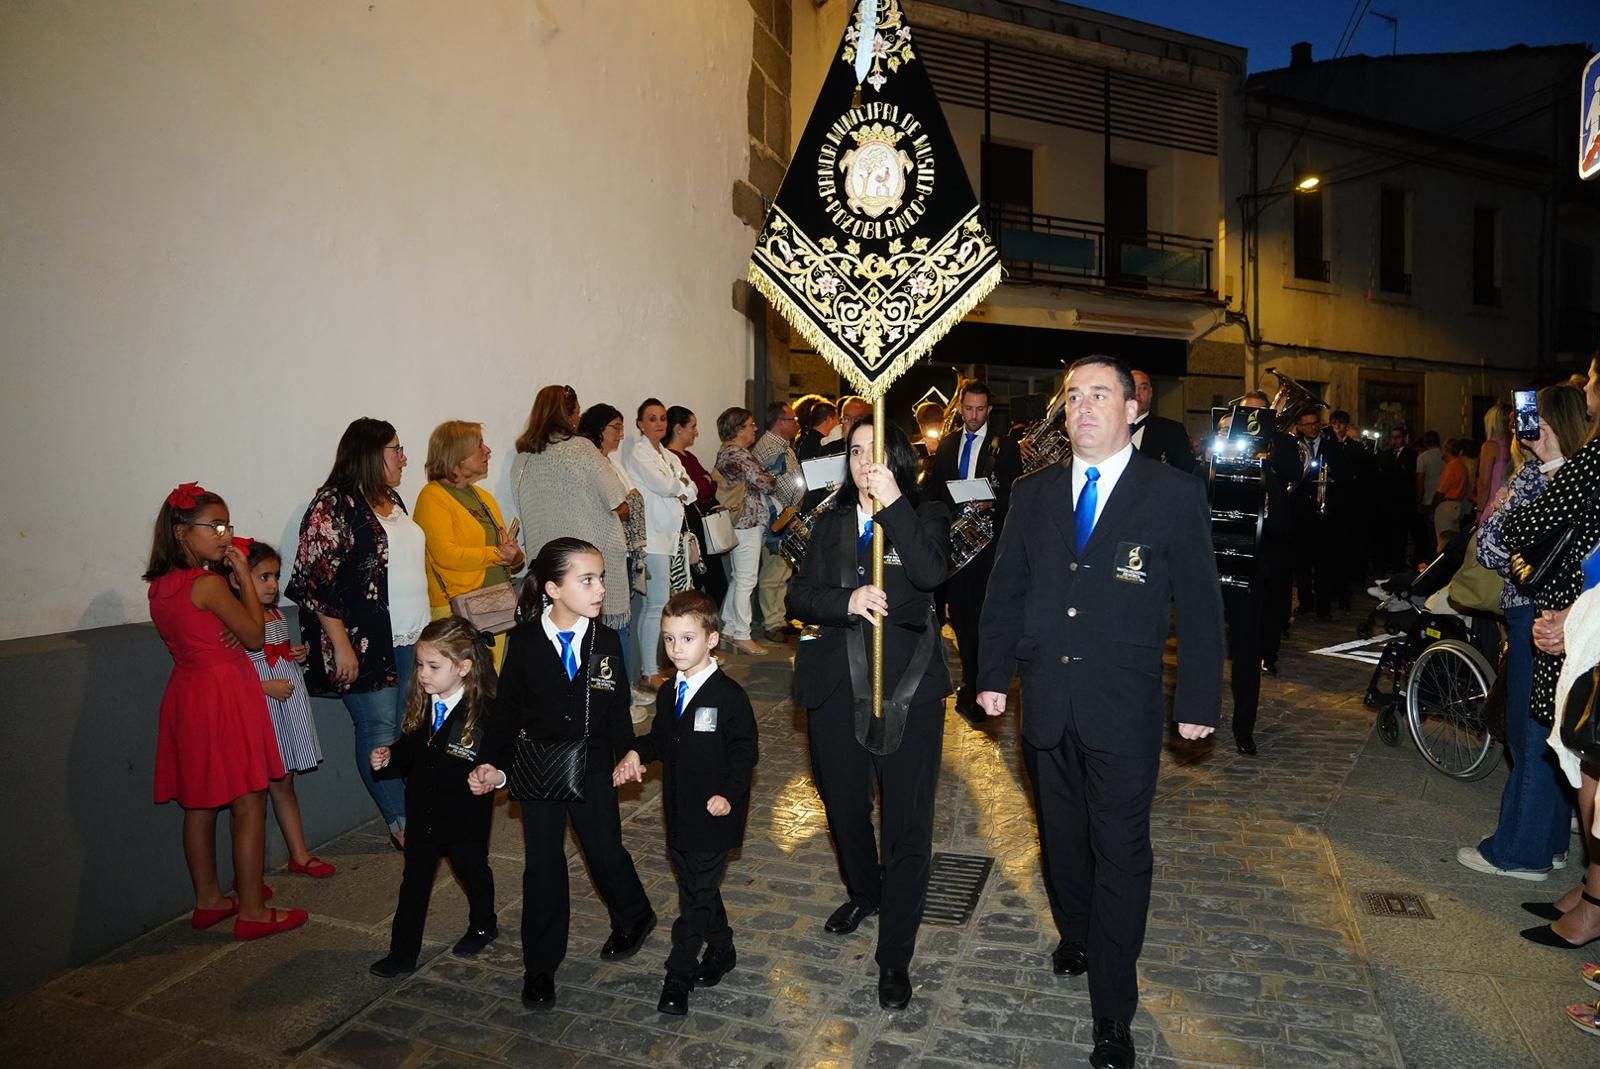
[(1254, 956)]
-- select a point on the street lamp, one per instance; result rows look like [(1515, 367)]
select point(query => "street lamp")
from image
[(1308, 183)]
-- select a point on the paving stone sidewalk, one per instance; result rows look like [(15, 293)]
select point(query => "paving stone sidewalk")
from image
[(1254, 956)]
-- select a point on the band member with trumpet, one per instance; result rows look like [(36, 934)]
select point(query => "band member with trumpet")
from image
[(851, 746), (1098, 552), (976, 450)]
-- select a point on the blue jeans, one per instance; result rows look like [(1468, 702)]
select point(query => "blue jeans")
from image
[(376, 716), (1535, 814), (647, 612)]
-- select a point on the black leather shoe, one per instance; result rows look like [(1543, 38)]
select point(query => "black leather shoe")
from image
[(714, 966), (1113, 1045), (894, 988), (1246, 746), (848, 917), (674, 997), (1069, 959), (538, 991), (389, 967), (625, 942), (475, 940)]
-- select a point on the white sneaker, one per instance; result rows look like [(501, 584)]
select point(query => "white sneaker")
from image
[(1474, 860), (1559, 861), (641, 697)]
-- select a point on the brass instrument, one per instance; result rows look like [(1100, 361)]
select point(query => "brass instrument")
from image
[(1291, 402), (973, 528), (797, 536), (1046, 442)]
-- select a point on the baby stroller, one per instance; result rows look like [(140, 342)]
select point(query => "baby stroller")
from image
[(1438, 670)]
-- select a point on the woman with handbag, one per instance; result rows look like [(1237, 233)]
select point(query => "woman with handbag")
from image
[(1567, 515), (744, 483), (666, 489), (563, 700), (1534, 809), (852, 749), (683, 430), (361, 584), (469, 545)]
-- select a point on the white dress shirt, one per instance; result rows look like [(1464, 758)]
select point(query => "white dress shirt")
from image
[(979, 436), (1138, 430), (695, 682), (1110, 469)]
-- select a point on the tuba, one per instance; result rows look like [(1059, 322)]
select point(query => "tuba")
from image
[(1046, 442), (973, 528), (1291, 402)]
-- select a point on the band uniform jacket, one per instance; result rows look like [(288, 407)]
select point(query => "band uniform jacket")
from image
[(916, 561), (711, 749), (439, 805), (1000, 458), (1166, 440), (535, 696), (1087, 634)]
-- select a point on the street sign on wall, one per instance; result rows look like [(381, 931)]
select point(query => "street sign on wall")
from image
[(1589, 120)]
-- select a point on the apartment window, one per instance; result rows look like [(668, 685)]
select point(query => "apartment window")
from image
[(1394, 236), (1485, 256), (1309, 261), (1007, 177)]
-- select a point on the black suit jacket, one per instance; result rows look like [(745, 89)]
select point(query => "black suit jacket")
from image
[(1087, 634), (1000, 458), (439, 805), (536, 696), (917, 561), (1167, 440), (699, 764)]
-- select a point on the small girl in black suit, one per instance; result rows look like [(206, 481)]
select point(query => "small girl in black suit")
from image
[(445, 730), (704, 735), (564, 679)]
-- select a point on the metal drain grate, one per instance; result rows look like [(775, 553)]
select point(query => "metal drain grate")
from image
[(954, 888), (1395, 904)]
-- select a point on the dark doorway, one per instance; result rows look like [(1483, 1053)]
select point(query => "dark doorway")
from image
[(1007, 178), (1127, 223)]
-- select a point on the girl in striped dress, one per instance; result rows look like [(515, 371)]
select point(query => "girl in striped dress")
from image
[(278, 664)]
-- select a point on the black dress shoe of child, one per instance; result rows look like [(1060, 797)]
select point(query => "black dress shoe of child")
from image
[(538, 990), (714, 966), (475, 940), (389, 967), (674, 997)]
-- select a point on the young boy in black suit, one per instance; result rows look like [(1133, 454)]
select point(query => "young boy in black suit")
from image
[(704, 735)]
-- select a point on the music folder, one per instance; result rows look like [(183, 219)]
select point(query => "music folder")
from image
[(823, 471), (965, 490)]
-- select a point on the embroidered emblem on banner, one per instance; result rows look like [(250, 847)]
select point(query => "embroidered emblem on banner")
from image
[(874, 247)]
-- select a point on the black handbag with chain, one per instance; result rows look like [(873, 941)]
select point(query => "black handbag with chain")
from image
[(553, 770), (1531, 567), (1580, 720)]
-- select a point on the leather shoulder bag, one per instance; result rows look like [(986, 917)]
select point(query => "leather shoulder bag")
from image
[(1532, 566), (553, 770)]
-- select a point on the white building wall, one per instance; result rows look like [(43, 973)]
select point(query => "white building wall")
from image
[(232, 227)]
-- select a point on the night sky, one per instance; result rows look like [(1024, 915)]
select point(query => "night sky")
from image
[(1268, 27)]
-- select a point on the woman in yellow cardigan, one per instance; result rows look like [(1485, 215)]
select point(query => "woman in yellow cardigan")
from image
[(469, 546)]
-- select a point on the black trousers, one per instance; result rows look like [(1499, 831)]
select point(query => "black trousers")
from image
[(702, 920), (1094, 845), (895, 878), (1318, 569), (964, 593), (546, 897), (1242, 609), (469, 860), (1277, 590)]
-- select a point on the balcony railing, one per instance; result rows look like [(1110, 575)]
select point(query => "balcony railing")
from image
[(1055, 249)]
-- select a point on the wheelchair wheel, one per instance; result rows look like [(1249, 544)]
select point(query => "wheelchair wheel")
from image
[(1389, 726), (1444, 709)]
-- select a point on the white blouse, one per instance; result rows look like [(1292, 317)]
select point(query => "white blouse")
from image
[(408, 576), (660, 477)]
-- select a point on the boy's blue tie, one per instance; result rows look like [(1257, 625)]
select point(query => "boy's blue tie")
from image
[(569, 656), (966, 455), (1083, 514), (683, 689), (440, 711)]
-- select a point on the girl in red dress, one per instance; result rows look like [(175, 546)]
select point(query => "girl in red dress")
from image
[(216, 745)]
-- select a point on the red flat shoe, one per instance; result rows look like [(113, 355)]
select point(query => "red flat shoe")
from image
[(209, 918), (315, 868), (244, 930)]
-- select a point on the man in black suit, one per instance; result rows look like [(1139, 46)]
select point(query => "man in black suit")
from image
[(976, 451), (1097, 553), (1155, 436), (1315, 506)]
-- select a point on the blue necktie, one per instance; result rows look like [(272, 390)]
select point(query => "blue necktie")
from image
[(569, 656), (440, 711), (1083, 515), (683, 689), (864, 540), (966, 455)]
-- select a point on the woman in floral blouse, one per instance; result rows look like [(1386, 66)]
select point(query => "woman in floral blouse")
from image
[(363, 596), (736, 466)]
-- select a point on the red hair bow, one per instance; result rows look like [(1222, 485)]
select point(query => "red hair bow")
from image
[(243, 544), (184, 494)]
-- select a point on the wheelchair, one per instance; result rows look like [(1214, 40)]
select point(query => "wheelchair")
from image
[(1436, 673)]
